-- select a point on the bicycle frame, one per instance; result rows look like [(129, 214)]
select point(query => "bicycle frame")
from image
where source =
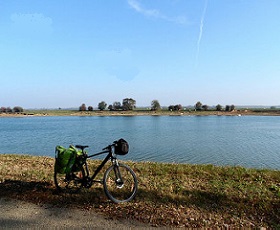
[(105, 160)]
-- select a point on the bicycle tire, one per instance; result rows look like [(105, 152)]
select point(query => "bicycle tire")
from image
[(120, 190), (71, 183)]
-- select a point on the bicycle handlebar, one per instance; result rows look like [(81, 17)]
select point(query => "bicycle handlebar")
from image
[(109, 146)]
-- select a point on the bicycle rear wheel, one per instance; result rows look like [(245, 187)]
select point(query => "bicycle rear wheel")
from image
[(120, 183), (71, 182)]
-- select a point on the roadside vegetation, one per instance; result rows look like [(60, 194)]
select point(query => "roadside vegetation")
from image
[(177, 195)]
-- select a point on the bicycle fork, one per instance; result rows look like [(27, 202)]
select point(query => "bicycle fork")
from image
[(118, 177)]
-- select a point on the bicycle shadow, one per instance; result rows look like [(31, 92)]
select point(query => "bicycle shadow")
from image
[(45, 193)]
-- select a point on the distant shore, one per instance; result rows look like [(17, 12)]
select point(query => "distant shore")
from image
[(142, 113)]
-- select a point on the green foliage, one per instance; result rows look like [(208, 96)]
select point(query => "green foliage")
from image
[(198, 105), (116, 106), (102, 105), (229, 108), (155, 105), (205, 107), (219, 107), (18, 109), (128, 104), (175, 107)]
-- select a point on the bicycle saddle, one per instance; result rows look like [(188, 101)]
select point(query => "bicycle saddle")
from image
[(82, 147)]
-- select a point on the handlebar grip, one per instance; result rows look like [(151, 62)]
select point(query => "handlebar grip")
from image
[(107, 147)]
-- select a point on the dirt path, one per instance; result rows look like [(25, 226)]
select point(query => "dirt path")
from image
[(17, 214)]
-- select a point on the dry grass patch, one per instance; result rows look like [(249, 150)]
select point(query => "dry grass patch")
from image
[(177, 195)]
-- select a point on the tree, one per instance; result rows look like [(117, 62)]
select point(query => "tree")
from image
[(227, 108), (205, 107), (83, 107), (102, 105), (198, 105), (219, 107), (9, 110), (178, 107), (110, 107), (128, 104), (155, 105), (3, 109), (116, 105), (171, 107), (175, 107), (90, 108), (18, 109)]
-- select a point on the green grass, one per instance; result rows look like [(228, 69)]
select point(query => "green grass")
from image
[(169, 194)]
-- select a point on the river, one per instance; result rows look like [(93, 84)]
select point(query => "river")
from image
[(250, 141)]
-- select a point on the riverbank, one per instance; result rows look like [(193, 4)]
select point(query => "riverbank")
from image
[(177, 195), (243, 112)]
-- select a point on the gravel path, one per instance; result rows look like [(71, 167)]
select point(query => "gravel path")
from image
[(17, 214)]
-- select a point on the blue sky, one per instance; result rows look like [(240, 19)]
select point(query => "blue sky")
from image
[(59, 53)]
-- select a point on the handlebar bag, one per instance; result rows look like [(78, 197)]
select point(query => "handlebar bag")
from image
[(121, 147)]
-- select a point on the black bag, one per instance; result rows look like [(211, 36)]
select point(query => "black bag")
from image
[(121, 147)]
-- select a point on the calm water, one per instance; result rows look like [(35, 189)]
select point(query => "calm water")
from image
[(247, 141)]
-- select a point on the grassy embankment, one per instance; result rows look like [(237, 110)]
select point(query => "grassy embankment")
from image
[(169, 194)]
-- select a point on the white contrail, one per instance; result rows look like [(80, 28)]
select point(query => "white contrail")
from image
[(200, 31)]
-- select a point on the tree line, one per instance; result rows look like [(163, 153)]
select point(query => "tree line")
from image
[(16, 109), (127, 104), (130, 104), (199, 106)]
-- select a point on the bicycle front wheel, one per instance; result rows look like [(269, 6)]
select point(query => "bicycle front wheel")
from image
[(120, 183), (71, 182)]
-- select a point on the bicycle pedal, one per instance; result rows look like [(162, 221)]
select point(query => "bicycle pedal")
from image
[(88, 183)]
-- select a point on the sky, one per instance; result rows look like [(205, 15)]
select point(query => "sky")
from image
[(62, 53)]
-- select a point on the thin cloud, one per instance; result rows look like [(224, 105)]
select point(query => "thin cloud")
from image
[(134, 4), (201, 31)]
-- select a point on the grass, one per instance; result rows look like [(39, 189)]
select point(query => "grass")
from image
[(177, 195)]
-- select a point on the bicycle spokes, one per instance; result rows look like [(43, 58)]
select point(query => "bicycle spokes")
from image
[(120, 183), (70, 182)]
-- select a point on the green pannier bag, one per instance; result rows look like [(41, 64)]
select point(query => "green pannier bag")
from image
[(65, 158)]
